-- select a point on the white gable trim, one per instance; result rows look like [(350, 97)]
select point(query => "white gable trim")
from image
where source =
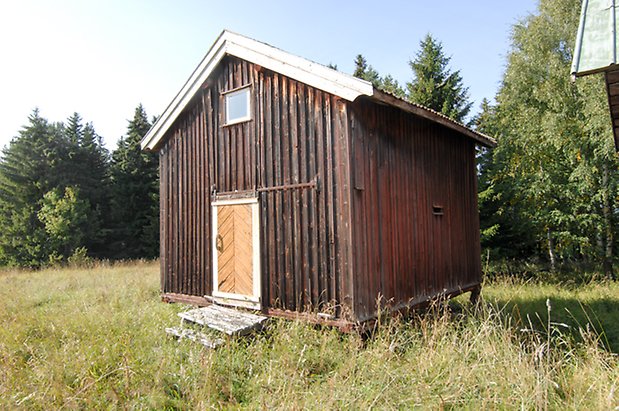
[(297, 68)]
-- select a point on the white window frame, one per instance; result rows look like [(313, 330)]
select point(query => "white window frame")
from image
[(244, 89)]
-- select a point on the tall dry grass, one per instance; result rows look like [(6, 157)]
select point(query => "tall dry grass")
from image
[(94, 338)]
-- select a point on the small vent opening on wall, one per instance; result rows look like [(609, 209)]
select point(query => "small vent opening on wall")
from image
[(437, 209)]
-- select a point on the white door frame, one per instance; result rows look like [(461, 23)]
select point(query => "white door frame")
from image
[(252, 301)]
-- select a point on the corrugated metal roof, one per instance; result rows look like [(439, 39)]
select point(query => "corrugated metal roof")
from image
[(596, 40)]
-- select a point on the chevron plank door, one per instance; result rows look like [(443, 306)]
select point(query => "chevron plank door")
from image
[(235, 251)]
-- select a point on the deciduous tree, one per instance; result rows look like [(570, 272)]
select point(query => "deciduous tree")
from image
[(555, 164), (66, 219)]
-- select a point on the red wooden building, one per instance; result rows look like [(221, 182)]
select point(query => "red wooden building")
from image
[(287, 186)]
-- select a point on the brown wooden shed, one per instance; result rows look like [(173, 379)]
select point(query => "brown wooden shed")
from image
[(290, 187)]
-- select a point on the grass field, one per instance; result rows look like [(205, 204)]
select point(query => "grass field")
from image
[(93, 338)]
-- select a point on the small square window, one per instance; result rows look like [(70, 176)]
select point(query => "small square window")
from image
[(237, 106)]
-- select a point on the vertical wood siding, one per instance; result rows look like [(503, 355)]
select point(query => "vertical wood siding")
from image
[(346, 194), (294, 139), (402, 167), (185, 216)]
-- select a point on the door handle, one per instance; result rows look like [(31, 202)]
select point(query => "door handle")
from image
[(219, 243)]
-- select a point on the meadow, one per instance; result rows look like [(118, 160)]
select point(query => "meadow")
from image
[(94, 338)]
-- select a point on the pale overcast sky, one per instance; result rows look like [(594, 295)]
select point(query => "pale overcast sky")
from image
[(103, 58)]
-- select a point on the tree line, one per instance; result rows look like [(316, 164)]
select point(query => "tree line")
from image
[(548, 193), (549, 190), (64, 197)]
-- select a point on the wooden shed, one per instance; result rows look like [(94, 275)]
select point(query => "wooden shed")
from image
[(290, 187)]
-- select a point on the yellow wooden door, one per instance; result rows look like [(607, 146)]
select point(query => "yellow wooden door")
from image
[(234, 243)]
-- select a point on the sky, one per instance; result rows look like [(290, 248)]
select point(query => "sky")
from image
[(101, 58)]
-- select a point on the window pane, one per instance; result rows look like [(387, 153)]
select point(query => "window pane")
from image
[(237, 106)]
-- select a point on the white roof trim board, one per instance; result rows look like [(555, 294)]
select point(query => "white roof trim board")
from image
[(313, 74)]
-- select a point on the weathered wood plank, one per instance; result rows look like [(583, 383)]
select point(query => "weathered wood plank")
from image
[(322, 195), (226, 320), (612, 76), (196, 336), (303, 198), (342, 164), (279, 273), (331, 196), (313, 200), (268, 204)]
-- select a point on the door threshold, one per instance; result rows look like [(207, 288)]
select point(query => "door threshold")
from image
[(233, 302)]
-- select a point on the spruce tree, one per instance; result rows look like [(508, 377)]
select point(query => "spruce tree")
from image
[(390, 85), (94, 187), (365, 71), (434, 85), (94, 159), (135, 193), (85, 167), (30, 167), (74, 130)]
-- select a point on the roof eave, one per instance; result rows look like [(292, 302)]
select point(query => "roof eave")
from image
[(594, 71)]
